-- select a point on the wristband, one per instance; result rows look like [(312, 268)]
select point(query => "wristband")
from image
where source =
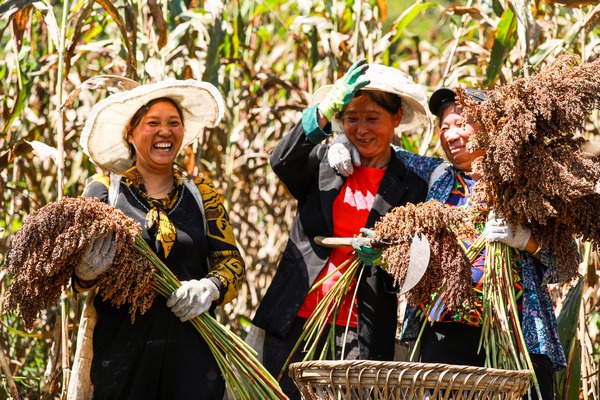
[(537, 251)]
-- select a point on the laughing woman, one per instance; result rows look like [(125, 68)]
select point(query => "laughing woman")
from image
[(135, 137), (371, 104)]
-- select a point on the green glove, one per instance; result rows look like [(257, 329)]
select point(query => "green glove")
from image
[(343, 90), (368, 255)]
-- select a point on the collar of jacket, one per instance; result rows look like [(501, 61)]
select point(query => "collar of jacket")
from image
[(391, 189)]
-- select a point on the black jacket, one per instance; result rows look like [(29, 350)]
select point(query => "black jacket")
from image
[(303, 168)]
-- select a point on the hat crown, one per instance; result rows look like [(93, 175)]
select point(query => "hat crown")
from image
[(392, 80)]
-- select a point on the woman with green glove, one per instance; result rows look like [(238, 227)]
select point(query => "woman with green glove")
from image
[(371, 104), (454, 336)]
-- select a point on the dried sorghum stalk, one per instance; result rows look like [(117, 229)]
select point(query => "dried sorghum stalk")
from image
[(448, 263), (44, 252), (536, 169)]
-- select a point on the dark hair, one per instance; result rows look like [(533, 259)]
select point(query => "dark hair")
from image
[(444, 105), (139, 114), (390, 102)]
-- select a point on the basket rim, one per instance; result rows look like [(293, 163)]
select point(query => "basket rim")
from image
[(417, 366), (406, 376)]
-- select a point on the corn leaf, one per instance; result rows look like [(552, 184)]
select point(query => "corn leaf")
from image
[(569, 378), (504, 41)]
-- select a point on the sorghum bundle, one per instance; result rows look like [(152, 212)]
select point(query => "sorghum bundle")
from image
[(51, 243), (45, 251), (448, 263), (535, 169)]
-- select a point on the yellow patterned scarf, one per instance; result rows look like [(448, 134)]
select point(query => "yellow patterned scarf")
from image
[(157, 218)]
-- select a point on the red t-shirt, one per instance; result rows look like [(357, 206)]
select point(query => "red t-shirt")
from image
[(350, 212)]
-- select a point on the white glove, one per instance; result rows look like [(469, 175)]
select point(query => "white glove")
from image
[(97, 258), (193, 298), (498, 230), (342, 155)]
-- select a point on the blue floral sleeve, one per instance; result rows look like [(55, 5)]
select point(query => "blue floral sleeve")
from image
[(420, 165)]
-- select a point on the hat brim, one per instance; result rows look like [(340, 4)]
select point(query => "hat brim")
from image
[(438, 98), (415, 114), (103, 135)]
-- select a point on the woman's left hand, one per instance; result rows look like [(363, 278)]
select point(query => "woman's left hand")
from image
[(193, 298), (498, 230), (343, 156), (343, 90)]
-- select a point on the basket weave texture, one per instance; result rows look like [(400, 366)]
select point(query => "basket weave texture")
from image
[(386, 380)]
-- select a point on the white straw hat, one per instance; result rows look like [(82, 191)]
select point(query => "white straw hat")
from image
[(415, 112), (103, 135)]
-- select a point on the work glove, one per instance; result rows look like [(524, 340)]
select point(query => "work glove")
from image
[(368, 255), (343, 155), (97, 258), (193, 298), (498, 230), (343, 90)]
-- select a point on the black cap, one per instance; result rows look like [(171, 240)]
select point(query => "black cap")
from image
[(444, 95)]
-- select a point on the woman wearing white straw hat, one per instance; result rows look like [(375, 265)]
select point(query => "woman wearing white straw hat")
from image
[(135, 136), (371, 103)]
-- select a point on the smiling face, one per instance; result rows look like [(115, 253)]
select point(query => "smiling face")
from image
[(158, 137), (454, 135), (370, 128)]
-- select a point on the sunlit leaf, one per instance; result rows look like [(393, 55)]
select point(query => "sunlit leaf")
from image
[(43, 151), (504, 40), (457, 10), (590, 22), (19, 23), (159, 22), (114, 14), (544, 50), (408, 16), (18, 106), (111, 83), (525, 22), (10, 7), (574, 3), (80, 21), (50, 19)]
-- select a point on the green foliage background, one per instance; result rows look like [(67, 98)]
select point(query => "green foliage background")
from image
[(266, 57)]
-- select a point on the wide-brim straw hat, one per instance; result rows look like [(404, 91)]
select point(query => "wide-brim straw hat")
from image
[(103, 135), (415, 112)]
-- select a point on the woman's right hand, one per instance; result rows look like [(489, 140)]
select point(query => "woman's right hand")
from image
[(343, 90), (97, 258)]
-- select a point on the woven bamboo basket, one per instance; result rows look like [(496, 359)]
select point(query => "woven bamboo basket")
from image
[(349, 380)]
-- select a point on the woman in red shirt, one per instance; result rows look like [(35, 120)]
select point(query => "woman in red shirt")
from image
[(371, 104)]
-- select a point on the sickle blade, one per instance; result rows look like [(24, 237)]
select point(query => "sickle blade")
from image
[(419, 260)]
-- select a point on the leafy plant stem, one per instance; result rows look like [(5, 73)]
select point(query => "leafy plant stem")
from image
[(501, 324), (324, 314), (471, 253)]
